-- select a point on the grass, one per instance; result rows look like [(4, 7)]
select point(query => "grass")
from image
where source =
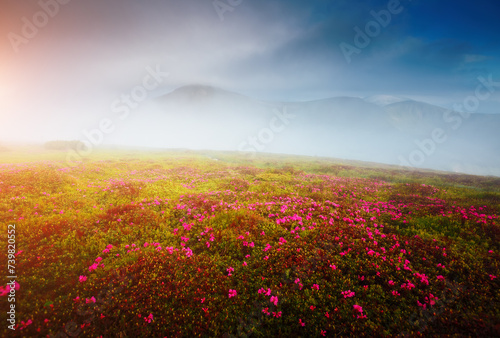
[(182, 243)]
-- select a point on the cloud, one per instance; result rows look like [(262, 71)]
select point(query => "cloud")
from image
[(92, 51)]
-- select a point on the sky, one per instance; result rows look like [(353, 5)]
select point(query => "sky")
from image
[(64, 62)]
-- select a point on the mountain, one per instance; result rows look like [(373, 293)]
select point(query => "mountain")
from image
[(383, 129), (193, 94), (413, 117), (384, 100)]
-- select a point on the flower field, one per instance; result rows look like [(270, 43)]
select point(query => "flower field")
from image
[(185, 246)]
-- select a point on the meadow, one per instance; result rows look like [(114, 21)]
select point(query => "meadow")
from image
[(212, 244)]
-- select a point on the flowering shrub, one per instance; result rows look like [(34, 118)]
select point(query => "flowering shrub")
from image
[(195, 248)]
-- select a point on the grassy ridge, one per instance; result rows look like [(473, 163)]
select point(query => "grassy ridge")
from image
[(220, 244)]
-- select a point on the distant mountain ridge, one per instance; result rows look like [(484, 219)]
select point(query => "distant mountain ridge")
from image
[(384, 100), (381, 128), (196, 93)]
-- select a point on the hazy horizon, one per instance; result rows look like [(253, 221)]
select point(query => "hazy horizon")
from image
[(67, 66)]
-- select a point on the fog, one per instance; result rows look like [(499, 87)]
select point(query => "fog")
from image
[(392, 130), (421, 88)]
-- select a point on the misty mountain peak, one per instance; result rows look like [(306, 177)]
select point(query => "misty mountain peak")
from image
[(200, 94), (384, 100), (195, 91)]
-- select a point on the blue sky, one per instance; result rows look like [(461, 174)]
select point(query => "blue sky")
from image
[(92, 50)]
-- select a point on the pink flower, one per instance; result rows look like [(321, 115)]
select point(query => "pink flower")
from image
[(358, 308), (3, 291), (29, 322), (301, 322), (149, 318), (315, 287), (348, 294), (274, 300), (333, 267), (232, 293), (432, 299), (93, 266), (82, 279)]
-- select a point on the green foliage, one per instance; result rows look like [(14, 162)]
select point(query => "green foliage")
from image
[(161, 240)]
